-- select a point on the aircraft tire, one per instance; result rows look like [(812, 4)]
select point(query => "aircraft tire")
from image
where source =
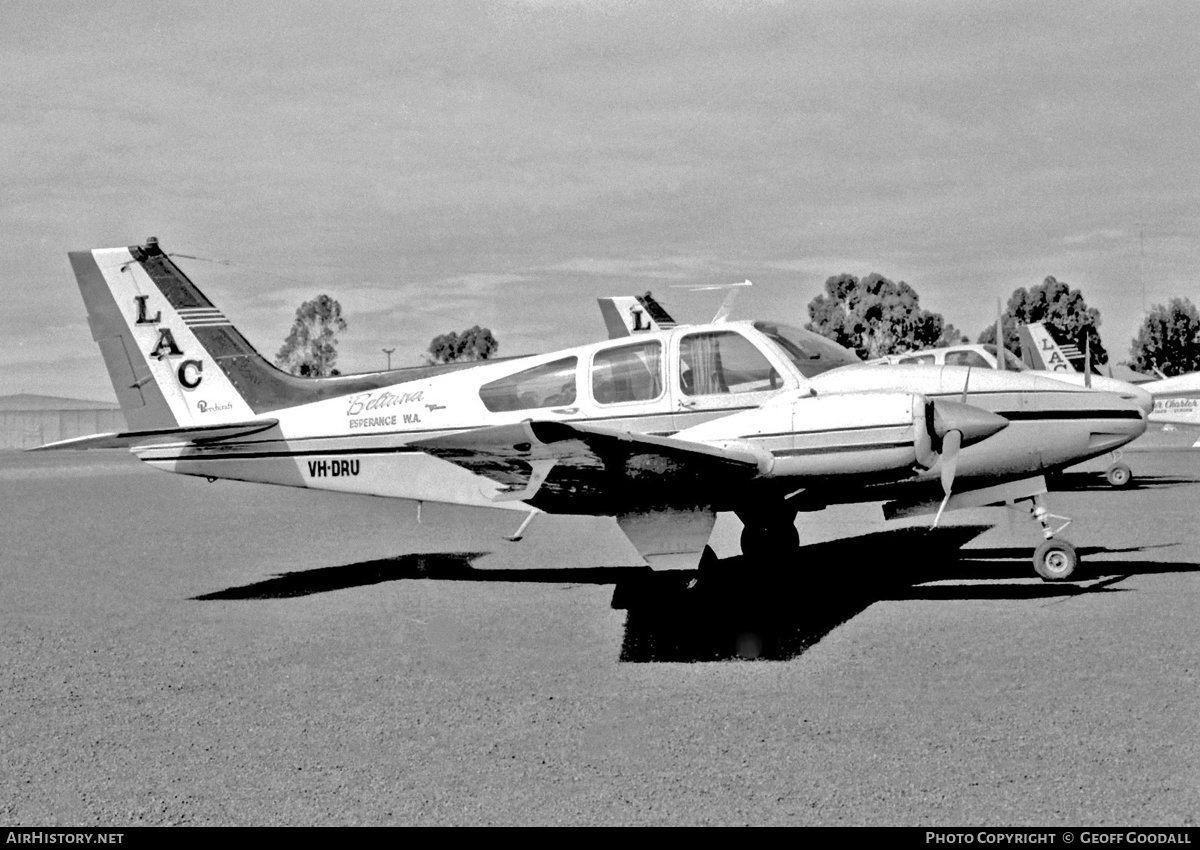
[(1055, 560), (1119, 475), (768, 542)]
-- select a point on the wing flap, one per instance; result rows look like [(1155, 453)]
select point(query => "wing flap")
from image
[(576, 467)]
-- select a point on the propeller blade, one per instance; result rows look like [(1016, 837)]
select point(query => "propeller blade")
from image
[(941, 508), (951, 443)]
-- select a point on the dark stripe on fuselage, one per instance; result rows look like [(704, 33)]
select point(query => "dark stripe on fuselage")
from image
[(824, 431), (1041, 415), (211, 455), (1021, 416), (852, 447)]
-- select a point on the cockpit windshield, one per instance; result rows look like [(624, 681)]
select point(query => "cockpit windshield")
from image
[(1011, 362), (811, 352)]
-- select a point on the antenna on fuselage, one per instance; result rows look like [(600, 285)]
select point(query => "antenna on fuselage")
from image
[(1000, 364)]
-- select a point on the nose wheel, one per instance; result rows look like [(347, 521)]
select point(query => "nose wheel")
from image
[(1053, 560), (1119, 475)]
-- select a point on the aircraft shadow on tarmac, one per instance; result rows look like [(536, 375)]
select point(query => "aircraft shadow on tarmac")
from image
[(730, 609), (440, 566)]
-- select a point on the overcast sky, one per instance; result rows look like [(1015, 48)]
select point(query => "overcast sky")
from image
[(434, 165)]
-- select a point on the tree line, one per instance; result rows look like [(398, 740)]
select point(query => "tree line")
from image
[(310, 348), (872, 316), (876, 317)]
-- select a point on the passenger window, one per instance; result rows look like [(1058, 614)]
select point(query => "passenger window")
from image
[(628, 373), (924, 359), (967, 358), (548, 385), (723, 362)]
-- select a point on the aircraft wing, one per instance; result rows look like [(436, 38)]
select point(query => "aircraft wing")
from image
[(131, 439), (582, 468)]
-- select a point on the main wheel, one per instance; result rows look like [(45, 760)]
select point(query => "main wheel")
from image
[(1055, 560), (764, 542), (1119, 475)]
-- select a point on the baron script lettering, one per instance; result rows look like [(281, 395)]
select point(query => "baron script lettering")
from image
[(371, 401)]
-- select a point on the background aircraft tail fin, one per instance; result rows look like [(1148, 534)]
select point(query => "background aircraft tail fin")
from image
[(1040, 349), (625, 315)]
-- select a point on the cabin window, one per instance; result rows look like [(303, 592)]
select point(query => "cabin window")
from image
[(628, 373), (548, 385), (723, 362), (923, 359), (967, 358)]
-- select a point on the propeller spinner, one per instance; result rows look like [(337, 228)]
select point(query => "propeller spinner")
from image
[(949, 426)]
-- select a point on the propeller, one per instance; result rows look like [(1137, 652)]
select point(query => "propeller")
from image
[(949, 426)]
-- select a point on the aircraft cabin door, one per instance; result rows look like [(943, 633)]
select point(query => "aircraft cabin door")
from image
[(627, 387), (716, 373)]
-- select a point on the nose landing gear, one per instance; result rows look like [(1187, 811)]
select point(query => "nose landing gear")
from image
[(1053, 560), (1119, 475)]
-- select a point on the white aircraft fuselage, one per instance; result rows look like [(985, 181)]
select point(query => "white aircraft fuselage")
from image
[(660, 430), (1176, 400)]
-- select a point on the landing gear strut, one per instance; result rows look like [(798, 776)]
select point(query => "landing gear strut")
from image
[(1054, 560)]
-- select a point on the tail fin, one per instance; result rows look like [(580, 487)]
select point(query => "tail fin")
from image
[(174, 359), (1041, 350), (625, 315)]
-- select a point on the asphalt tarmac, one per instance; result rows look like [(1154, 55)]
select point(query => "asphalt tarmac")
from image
[(179, 652)]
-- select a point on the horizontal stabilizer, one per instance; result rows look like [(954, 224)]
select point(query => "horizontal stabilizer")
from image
[(130, 439)]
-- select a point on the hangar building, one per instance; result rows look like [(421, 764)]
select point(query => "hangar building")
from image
[(28, 421)]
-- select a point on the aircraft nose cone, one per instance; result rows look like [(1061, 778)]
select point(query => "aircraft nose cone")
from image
[(1127, 391), (974, 423), (1143, 400)]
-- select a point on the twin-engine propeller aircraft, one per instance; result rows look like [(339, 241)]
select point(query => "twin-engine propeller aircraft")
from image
[(662, 430)]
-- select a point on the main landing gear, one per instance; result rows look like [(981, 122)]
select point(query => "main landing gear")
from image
[(1054, 560), (767, 534)]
